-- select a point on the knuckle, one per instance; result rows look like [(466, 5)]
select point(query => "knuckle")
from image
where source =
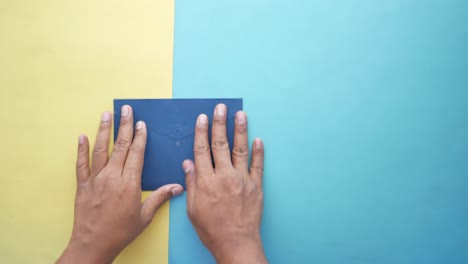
[(201, 149), (233, 184), (82, 150), (218, 120), (99, 149), (258, 169), (240, 152), (122, 143), (141, 134), (104, 127), (220, 144), (251, 188), (81, 165), (258, 153), (125, 122), (162, 197), (201, 129), (136, 147), (257, 190), (205, 186), (241, 129)]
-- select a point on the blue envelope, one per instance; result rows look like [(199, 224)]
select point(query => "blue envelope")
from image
[(171, 127)]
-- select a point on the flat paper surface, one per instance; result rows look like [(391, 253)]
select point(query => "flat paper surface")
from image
[(171, 128), (363, 108), (62, 63)]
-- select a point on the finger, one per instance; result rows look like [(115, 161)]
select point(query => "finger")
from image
[(136, 154), (82, 161), (219, 141), (124, 139), (157, 198), (201, 148), (256, 166), (240, 151), (190, 176), (101, 147)]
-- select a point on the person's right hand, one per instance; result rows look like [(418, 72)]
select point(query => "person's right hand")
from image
[(225, 203)]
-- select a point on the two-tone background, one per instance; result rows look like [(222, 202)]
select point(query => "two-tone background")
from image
[(363, 107)]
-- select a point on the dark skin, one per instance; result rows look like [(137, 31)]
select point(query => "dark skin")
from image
[(224, 204)]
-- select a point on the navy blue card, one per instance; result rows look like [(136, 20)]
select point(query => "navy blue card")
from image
[(171, 127)]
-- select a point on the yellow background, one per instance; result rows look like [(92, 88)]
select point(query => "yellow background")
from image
[(61, 64)]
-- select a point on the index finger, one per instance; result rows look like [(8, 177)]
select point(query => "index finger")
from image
[(136, 154), (201, 147), (124, 139)]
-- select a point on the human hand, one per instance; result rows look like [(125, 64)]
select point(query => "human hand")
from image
[(108, 209), (225, 203)]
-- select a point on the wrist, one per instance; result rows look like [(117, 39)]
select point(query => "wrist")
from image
[(80, 252), (247, 249)]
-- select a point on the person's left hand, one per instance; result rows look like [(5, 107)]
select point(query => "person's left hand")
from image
[(108, 209)]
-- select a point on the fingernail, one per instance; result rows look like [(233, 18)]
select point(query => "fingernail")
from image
[(125, 110), (258, 143), (139, 124), (203, 120), (221, 110), (240, 118), (187, 166), (81, 139), (106, 116), (176, 190)]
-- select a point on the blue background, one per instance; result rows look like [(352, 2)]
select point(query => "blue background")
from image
[(363, 107)]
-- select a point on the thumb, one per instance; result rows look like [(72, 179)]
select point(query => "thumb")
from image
[(190, 178), (189, 170), (157, 198)]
